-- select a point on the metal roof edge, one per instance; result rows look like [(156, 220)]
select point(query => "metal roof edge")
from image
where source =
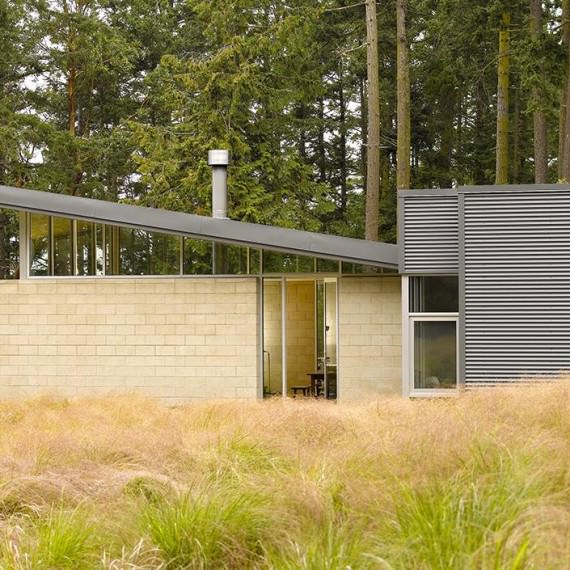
[(511, 188), (411, 193), (202, 227)]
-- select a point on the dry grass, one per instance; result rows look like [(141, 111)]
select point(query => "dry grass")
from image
[(482, 481)]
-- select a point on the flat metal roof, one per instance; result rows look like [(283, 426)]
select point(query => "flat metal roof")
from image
[(202, 227)]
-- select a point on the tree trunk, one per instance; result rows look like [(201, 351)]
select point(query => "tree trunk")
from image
[(564, 91), (539, 116), (566, 130), (404, 108), (343, 143), (502, 159), (516, 156), (322, 153), (363, 126), (566, 161), (373, 154)]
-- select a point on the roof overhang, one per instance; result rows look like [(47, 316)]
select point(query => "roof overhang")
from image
[(202, 227)]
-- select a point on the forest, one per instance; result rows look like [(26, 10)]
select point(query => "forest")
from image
[(328, 106)]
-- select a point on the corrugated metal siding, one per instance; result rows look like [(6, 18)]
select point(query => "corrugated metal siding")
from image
[(430, 234), (517, 285)]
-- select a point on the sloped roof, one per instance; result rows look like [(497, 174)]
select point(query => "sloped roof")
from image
[(202, 227)]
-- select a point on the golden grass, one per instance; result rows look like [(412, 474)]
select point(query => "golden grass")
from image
[(481, 481)]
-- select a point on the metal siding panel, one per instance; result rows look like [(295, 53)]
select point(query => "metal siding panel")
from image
[(430, 234), (517, 286)]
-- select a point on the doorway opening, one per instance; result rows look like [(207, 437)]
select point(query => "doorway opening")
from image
[(300, 337)]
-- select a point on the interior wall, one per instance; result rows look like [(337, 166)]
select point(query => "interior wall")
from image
[(300, 332), (272, 335)]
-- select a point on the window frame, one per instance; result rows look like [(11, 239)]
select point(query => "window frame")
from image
[(430, 318), (408, 320)]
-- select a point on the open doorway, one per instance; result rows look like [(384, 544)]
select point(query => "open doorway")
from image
[(300, 337)]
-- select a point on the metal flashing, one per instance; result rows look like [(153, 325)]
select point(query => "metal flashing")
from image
[(202, 227), (512, 188), (427, 192)]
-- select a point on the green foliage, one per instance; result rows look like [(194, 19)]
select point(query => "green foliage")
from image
[(60, 539), (122, 100), (473, 520), (220, 531)]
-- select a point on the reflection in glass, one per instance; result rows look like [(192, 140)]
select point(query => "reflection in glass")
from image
[(232, 260), (9, 244), (39, 245), (435, 355), (89, 248), (62, 230), (327, 265), (275, 262), (197, 257), (254, 261), (434, 294), (112, 262), (134, 251), (358, 269), (164, 254), (148, 253)]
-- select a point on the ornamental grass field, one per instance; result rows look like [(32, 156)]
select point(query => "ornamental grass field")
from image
[(477, 482)]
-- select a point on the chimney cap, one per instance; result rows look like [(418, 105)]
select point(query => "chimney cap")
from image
[(218, 157)]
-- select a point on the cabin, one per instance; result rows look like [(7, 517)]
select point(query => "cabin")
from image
[(108, 297)]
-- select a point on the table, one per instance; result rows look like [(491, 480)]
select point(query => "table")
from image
[(317, 383)]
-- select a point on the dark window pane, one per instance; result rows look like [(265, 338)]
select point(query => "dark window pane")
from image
[(112, 265), (164, 254), (435, 355), (358, 269), (9, 244), (254, 261), (89, 248), (39, 245), (197, 257), (434, 294), (230, 259), (327, 265), (148, 253), (134, 251), (62, 229), (276, 262)]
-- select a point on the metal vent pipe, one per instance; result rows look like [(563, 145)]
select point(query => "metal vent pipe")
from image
[(219, 160)]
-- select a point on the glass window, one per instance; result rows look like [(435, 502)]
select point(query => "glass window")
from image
[(254, 261), (197, 257), (134, 251), (9, 244), (276, 262), (62, 230), (327, 265), (112, 265), (231, 260), (39, 245), (357, 269), (164, 254), (89, 248), (435, 354), (434, 294), (148, 253)]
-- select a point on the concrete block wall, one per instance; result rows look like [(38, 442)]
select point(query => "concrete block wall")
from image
[(370, 337), (300, 332), (177, 339)]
